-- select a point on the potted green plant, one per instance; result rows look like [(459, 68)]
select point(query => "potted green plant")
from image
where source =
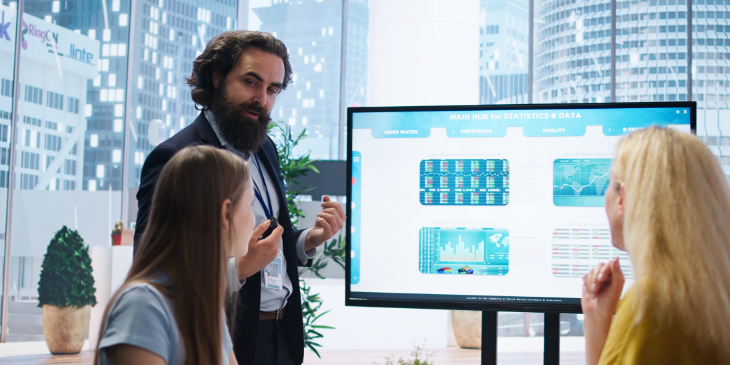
[(66, 292), (117, 234), (293, 166)]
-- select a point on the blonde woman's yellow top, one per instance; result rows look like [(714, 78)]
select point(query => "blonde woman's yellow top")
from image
[(646, 343)]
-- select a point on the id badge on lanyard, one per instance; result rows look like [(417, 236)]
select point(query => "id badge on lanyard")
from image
[(273, 272)]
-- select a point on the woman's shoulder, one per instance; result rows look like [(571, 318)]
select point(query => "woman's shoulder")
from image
[(141, 293), (646, 340), (141, 302), (141, 316)]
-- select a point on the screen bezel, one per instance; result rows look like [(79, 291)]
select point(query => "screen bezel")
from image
[(458, 305)]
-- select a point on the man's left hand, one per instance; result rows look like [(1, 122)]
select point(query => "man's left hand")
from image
[(329, 221)]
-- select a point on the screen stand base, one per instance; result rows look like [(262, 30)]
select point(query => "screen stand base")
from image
[(551, 354)]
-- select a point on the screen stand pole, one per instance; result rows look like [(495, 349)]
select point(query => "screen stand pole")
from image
[(489, 338), (552, 339)]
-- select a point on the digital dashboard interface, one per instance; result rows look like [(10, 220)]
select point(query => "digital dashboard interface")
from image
[(485, 205)]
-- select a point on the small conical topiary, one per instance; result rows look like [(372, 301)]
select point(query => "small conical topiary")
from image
[(66, 278)]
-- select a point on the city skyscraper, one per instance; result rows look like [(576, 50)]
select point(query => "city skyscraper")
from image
[(100, 147), (503, 51), (312, 31), (172, 34), (573, 58), (167, 36)]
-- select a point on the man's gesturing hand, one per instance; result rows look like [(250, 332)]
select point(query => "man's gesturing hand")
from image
[(260, 253), (329, 221)]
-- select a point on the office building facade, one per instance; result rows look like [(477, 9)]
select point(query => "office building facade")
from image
[(503, 51), (312, 31)]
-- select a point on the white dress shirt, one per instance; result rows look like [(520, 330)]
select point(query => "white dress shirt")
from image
[(271, 299)]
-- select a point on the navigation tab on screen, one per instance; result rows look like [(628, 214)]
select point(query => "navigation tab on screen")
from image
[(477, 129)]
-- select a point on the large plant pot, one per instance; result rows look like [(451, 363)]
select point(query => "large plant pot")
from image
[(467, 328), (65, 328)]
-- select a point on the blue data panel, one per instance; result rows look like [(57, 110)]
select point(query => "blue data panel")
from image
[(466, 251), (355, 228), (464, 182), (581, 182)]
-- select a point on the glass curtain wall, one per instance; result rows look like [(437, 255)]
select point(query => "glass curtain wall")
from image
[(356, 65), (68, 155), (651, 50), (710, 70), (572, 51), (77, 84), (8, 25), (503, 51), (312, 31), (169, 35)]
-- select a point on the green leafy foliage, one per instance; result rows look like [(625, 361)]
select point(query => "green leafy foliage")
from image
[(311, 305), (416, 360), (333, 250), (291, 168), (66, 278)]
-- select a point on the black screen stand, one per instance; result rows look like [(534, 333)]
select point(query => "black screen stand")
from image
[(489, 338)]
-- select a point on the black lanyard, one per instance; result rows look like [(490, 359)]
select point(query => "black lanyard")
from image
[(268, 210)]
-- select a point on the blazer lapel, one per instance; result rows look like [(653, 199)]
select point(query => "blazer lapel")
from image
[(206, 132)]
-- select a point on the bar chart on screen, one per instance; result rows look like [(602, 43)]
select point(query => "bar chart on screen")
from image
[(469, 251)]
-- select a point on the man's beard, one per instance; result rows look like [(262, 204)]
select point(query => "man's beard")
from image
[(242, 132)]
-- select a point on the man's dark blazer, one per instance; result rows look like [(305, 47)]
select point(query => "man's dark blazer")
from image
[(249, 297)]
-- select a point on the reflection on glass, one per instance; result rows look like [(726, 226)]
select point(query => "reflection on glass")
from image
[(503, 51), (312, 31), (168, 36), (99, 103), (572, 52), (356, 63), (357, 53), (651, 51), (710, 67), (8, 24), (72, 72)]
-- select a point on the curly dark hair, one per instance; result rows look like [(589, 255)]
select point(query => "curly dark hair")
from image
[(221, 54)]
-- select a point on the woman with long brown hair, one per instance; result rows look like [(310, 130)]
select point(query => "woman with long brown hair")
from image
[(170, 309), (668, 206)]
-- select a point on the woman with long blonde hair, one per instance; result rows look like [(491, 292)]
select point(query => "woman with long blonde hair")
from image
[(170, 309), (668, 206)]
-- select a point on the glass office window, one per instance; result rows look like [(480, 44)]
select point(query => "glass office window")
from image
[(312, 31), (651, 51), (99, 100), (503, 51), (356, 65), (168, 36), (710, 70), (572, 51), (8, 18), (68, 155)]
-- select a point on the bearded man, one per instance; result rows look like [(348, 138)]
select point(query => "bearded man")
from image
[(236, 81)]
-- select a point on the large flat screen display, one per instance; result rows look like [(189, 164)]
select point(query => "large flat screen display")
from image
[(485, 207)]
